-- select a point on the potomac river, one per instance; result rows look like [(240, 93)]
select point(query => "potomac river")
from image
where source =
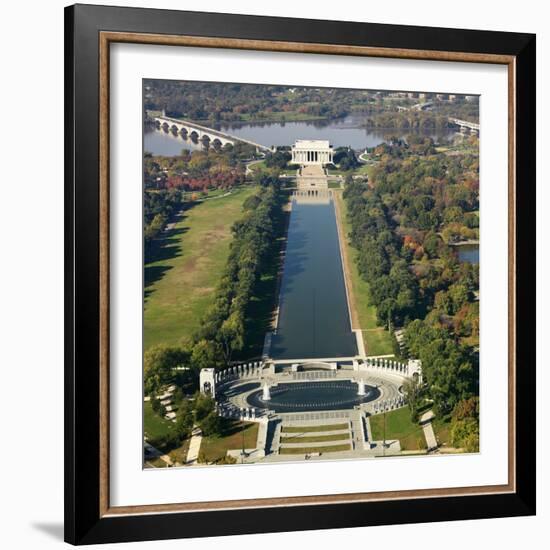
[(341, 133)]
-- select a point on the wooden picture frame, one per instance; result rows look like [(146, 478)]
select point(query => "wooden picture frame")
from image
[(89, 32)]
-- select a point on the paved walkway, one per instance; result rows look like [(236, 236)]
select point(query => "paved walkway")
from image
[(426, 421), (250, 164), (194, 448), (312, 176)]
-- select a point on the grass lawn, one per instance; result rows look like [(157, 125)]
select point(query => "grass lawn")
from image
[(180, 454), (398, 426), (379, 341), (156, 463), (334, 185), (258, 166), (186, 266), (338, 172), (315, 439), (215, 448), (322, 428), (362, 170), (308, 450), (212, 193), (153, 424)]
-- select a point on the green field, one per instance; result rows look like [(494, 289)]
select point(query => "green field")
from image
[(361, 170), (378, 341), (258, 166), (215, 448), (154, 425), (309, 429), (315, 439), (261, 167), (398, 426), (179, 454), (309, 450), (185, 268)]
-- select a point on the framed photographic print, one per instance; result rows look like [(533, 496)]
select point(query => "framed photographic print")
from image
[(299, 274)]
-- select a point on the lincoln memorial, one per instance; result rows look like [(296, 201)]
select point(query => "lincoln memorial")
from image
[(307, 152)]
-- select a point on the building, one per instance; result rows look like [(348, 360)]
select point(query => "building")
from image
[(307, 152)]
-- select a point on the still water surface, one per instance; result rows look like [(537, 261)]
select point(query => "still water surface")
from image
[(468, 253), (313, 396), (313, 319), (340, 133), (344, 132)]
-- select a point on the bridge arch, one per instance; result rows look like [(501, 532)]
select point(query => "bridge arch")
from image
[(196, 132)]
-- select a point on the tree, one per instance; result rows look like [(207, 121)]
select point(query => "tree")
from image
[(206, 354), (465, 434), (159, 363), (279, 159), (231, 334), (413, 395), (443, 302), (467, 408), (211, 425), (222, 330), (153, 229), (459, 295), (184, 419), (431, 244), (453, 214), (449, 370)]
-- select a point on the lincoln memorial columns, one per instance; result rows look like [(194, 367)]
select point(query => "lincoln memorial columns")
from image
[(307, 152)]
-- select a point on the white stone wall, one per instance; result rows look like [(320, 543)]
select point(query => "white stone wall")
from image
[(312, 156)]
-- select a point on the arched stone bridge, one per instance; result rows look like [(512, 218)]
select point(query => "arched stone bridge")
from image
[(190, 129), (465, 125)]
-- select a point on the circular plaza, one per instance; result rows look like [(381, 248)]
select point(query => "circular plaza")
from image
[(267, 389)]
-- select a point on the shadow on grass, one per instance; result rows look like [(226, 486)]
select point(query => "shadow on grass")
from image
[(231, 427), (163, 249)]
